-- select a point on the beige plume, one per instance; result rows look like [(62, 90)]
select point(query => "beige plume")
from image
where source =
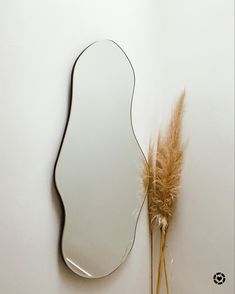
[(162, 180)]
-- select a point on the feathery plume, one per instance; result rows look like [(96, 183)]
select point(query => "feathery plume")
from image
[(165, 161)]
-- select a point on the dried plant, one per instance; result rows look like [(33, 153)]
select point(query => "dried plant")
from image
[(165, 160), (148, 180)]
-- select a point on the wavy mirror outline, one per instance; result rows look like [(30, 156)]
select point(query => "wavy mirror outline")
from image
[(73, 266)]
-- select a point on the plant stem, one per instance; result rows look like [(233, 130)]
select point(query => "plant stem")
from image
[(159, 273), (151, 262), (166, 274), (164, 265), (162, 260)]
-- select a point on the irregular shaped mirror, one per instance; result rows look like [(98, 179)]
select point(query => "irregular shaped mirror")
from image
[(97, 172)]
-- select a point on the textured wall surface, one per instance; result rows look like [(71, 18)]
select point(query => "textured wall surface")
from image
[(172, 45)]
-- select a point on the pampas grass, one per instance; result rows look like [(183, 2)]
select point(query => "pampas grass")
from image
[(165, 160)]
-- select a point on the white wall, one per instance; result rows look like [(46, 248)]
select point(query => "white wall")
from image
[(172, 45)]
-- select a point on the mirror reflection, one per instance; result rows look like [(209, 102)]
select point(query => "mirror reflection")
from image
[(97, 173)]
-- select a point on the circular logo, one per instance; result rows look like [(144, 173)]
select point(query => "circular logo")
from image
[(219, 278)]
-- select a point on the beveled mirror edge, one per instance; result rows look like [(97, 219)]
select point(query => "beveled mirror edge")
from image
[(63, 218)]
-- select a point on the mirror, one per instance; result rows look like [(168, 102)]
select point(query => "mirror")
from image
[(97, 172)]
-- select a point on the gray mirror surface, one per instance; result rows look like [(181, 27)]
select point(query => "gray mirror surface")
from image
[(97, 173)]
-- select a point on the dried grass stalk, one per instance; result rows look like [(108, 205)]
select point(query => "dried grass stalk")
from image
[(147, 179), (165, 160)]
